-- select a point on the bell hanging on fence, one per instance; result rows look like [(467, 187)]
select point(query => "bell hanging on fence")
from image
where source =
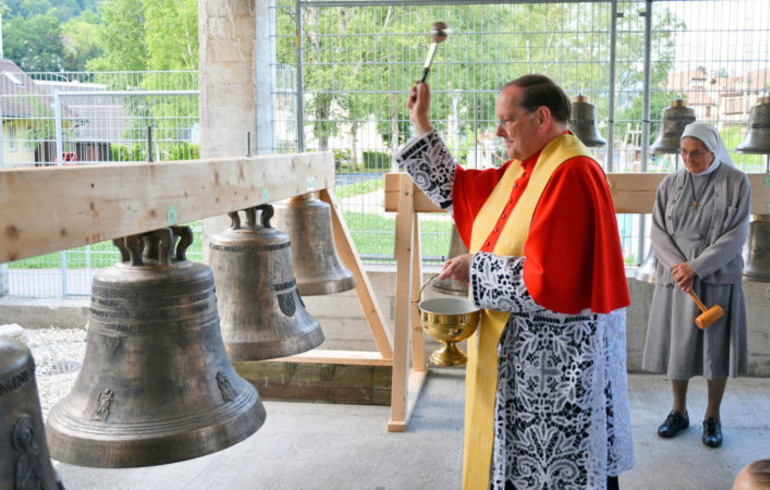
[(582, 123), (756, 250), (24, 459), (156, 384), (317, 267), (646, 271), (450, 286), (261, 312), (757, 138), (673, 120)]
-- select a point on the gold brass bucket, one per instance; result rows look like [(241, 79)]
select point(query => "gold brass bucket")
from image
[(448, 320)]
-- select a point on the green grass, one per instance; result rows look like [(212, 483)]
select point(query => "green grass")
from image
[(350, 190)]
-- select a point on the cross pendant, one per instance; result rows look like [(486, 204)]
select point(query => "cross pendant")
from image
[(694, 204)]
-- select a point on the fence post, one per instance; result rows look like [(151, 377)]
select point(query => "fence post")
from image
[(3, 267), (59, 160)]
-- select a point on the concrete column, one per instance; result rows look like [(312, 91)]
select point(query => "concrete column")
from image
[(228, 109)]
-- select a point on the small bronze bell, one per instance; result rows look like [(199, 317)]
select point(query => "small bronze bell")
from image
[(673, 120), (450, 286), (156, 384), (261, 312), (582, 123), (318, 269), (24, 460), (757, 138)]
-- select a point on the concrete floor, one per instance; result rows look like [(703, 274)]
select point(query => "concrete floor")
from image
[(320, 446)]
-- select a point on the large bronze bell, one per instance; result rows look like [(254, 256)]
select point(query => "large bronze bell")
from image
[(261, 312), (757, 138), (450, 286), (673, 120), (24, 460), (582, 123), (156, 384), (318, 269)]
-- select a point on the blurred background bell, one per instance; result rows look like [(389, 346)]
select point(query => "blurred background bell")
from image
[(317, 267), (261, 312), (673, 120), (757, 138), (156, 384), (756, 251), (24, 459), (450, 286), (582, 122), (646, 271)]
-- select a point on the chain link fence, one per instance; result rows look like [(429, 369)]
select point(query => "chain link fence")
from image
[(343, 88)]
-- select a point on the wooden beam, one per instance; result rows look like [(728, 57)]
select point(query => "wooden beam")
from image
[(632, 193), (48, 209), (344, 357), (364, 290)]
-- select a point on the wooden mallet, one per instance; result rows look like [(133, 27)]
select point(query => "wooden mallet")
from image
[(709, 315)]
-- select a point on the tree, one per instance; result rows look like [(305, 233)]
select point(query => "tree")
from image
[(171, 34), (121, 38), (80, 41), (34, 44)]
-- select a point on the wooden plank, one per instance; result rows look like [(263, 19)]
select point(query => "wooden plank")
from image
[(344, 357), (404, 271), (321, 382), (632, 193), (419, 362), (48, 209), (349, 256), (416, 382)]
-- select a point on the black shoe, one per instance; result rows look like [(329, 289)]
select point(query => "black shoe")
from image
[(712, 432), (673, 424)]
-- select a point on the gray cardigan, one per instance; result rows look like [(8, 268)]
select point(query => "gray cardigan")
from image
[(721, 262)]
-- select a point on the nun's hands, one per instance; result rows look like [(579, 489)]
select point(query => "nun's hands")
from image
[(684, 276)]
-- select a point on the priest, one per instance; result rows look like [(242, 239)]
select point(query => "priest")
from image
[(546, 385)]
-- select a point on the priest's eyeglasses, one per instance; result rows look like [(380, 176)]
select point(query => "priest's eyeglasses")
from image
[(504, 123)]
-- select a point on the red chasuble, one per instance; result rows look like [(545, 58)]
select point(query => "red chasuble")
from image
[(573, 255)]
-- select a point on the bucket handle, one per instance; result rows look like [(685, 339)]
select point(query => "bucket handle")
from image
[(430, 279)]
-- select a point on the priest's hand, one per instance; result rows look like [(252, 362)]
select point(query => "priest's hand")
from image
[(684, 276), (419, 105), (457, 268)]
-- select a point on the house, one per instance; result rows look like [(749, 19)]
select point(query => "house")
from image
[(28, 119)]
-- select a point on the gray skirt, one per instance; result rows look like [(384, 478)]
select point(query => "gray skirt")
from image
[(676, 347)]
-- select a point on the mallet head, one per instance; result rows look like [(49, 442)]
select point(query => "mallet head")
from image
[(709, 316), (438, 32)]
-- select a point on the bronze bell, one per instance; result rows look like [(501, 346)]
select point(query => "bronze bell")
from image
[(156, 384), (757, 138), (582, 123), (673, 120), (24, 460), (450, 286), (756, 250), (318, 269), (261, 312)]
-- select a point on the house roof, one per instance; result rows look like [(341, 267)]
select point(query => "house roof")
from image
[(104, 116), (21, 97)]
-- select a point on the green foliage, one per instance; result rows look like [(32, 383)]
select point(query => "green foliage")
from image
[(34, 44), (182, 151), (79, 37), (171, 34), (122, 153), (375, 161), (121, 37)]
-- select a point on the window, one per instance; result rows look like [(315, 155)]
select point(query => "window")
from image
[(11, 137)]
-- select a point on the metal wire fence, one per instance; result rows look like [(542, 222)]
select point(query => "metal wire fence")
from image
[(343, 88)]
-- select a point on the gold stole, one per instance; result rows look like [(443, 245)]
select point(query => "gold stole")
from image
[(481, 370)]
